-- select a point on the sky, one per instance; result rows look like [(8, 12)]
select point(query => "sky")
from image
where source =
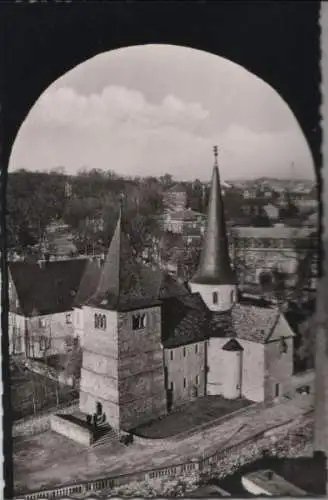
[(155, 109)]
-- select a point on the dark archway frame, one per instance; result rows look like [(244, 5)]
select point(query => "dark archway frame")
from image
[(277, 41)]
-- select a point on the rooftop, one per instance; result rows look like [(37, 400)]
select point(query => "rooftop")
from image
[(49, 287), (278, 231)]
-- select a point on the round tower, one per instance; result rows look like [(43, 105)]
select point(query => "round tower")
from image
[(232, 361), (214, 279)]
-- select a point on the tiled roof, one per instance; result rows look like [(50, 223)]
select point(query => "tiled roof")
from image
[(184, 320), (48, 289), (177, 188), (127, 283), (88, 283), (254, 323)]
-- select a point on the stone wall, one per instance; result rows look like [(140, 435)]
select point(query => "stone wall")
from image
[(215, 356), (141, 372), (321, 391), (186, 372), (278, 369), (40, 423), (99, 373), (252, 386), (70, 430)]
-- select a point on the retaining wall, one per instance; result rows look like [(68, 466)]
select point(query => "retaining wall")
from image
[(222, 463), (70, 430), (41, 423)]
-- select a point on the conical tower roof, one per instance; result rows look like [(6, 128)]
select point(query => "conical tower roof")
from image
[(214, 267), (125, 283)]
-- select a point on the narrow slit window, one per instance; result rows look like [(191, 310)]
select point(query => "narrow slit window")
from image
[(283, 346), (215, 297), (184, 383)]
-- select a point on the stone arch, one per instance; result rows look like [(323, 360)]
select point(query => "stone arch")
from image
[(59, 39), (217, 37)]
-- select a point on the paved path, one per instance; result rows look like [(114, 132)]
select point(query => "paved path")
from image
[(49, 460)]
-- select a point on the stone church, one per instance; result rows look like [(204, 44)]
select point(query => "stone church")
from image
[(151, 343)]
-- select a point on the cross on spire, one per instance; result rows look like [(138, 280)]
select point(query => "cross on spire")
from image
[(216, 153)]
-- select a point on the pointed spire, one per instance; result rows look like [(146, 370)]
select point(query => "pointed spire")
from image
[(109, 282), (214, 267)]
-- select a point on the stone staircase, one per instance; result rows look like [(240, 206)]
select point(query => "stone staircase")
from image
[(105, 435)]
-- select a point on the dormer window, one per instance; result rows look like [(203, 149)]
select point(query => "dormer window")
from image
[(139, 321), (215, 297), (100, 321), (283, 346)]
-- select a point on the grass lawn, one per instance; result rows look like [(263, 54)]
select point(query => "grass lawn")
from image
[(190, 415), (28, 386)]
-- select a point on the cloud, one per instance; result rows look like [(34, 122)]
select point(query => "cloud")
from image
[(118, 128), (115, 105)]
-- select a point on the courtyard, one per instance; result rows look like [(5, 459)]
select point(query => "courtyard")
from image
[(45, 460), (191, 415)]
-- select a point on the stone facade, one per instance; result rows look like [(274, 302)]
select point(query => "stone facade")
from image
[(141, 384), (258, 250), (262, 368), (38, 336), (185, 369), (278, 363), (123, 367)]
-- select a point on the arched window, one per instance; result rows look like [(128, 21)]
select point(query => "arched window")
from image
[(215, 297)]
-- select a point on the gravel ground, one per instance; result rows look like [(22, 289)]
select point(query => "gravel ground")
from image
[(49, 460)]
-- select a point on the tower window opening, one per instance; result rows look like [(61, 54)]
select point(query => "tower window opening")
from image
[(196, 348), (283, 346), (215, 297), (276, 390), (171, 354), (232, 296), (184, 383), (184, 352), (197, 380), (139, 321)]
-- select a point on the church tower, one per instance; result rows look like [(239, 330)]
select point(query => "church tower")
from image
[(122, 366), (214, 279)]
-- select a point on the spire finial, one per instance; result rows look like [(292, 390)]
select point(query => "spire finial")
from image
[(216, 153), (121, 204)]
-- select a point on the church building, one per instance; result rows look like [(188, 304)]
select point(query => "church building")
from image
[(151, 343)]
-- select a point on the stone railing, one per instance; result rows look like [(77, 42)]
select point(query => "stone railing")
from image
[(222, 462)]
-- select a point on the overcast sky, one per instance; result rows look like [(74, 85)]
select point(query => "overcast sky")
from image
[(153, 109)]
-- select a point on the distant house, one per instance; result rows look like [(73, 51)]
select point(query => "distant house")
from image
[(180, 221), (175, 198)]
